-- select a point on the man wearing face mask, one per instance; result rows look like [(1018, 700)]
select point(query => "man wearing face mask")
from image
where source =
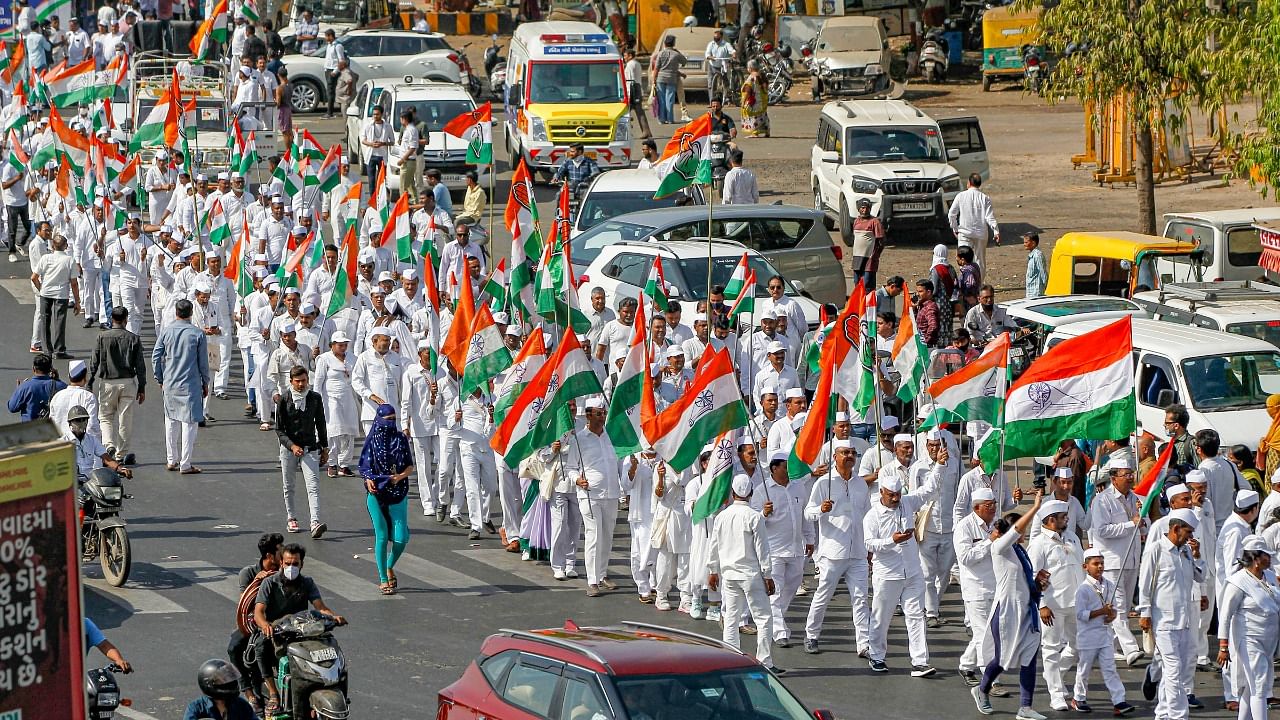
[(281, 595), (90, 452)]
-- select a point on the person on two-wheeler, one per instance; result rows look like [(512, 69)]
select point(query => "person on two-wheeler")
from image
[(577, 168), (280, 595), (220, 682), (718, 55), (93, 638), (269, 552), (91, 454), (721, 122)]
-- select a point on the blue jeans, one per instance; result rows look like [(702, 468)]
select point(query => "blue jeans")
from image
[(106, 299), (371, 170), (666, 102)]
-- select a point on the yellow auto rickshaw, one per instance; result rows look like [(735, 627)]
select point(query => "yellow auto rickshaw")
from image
[(1005, 36), (1119, 263)]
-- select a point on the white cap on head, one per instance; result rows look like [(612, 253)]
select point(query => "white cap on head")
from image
[(904, 438), (793, 393), (299, 230), (700, 317), (841, 443), (1186, 515), (224, 176), (273, 283), (775, 347), (1195, 476), (367, 255), (203, 287), (292, 291), (1052, 507), (1063, 471), (424, 344), (162, 155), (1120, 463), (1256, 543), (888, 422), (842, 416), (307, 308), (377, 290), (515, 330), (933, 434), (741, 485), (675, 351), (379, 331), (260, 272), (595, 402), (1093, 552), (409, 274), (76, 369), (392, 304), (924, 411), (892, 483), (1246, 498), (768, 390), (777, 455), (166, 229), (386, 276), (981, 495), (236, 175), (499, 317), (339, 337), (1174, 491), (287, 328), (188, 252)]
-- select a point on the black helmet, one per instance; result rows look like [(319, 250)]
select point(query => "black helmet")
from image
[(785, 51), (219, 679)]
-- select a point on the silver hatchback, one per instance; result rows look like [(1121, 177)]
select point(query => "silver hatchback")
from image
[(794, 239)]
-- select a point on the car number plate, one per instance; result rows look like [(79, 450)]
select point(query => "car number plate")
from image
[(453, 179), (592, 154), (913, 206), (324, 654)]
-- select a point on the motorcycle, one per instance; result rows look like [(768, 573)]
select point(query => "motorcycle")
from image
[(818, 69), (1033, 69), (102, 531), (933, 57), (468, 78), (719, 156), (495, 69), (312, 675), (103, 692), (775, 64)]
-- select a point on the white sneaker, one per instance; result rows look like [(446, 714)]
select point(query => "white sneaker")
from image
[(526, 556), (695, 610), (981, 700), (557, 573), (662, 604), (713, 613), (1059, 706), (1026, 713), (571, 573), (684, 117)]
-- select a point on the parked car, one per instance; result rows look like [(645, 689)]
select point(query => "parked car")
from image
[(374, 54), (692, 43), (622, 269), (1223, 379), (1234, 306), (792, 238), (1039, 317), (618, 192), (851, 56), (631, 670), (1229, 239), (435, 104)]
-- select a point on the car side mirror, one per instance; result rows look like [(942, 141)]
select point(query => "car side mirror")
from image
[(953, 154), (516, 94), (1166, 397), (830, 156)]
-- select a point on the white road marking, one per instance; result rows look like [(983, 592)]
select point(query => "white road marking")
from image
[(440, 577), (534, 573), (136, 600), (208, 576), (128, 712), (20, 289), (343, 583)]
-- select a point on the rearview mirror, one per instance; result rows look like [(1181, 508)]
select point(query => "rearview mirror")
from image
[(516, 94), (1166, 397), (953, 154), (830, 156)]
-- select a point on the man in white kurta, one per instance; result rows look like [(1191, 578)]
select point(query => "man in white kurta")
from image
[(972, 539), (937, 553), (376, 377), (739, 565), (479, 476), (781, 502), (838, 502), (1235, 528), (1114, 527), (419, 409), (342, 418), (1168, 604), (640, 473), (896, 572), (1057, 551), (593, 465)]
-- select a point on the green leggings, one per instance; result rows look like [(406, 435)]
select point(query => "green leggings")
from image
[(399, 532)]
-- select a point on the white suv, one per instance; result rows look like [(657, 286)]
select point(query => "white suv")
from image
[(909, 165), (374, 54), (436, 103)]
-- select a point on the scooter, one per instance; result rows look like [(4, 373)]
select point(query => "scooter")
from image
[(933, 57), (496, 69), (818, 69), (1033, 69), (312, 675), (103, 535), (103, 692), (468, 78)]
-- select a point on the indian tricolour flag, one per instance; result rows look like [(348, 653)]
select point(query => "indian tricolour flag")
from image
[(347, 279), (521, 219), (527, 363), (160, 127), (476, 128), (687, 158), (711, 406), (976, 391), (76, 85), (216, 220), (15, 114), (17, 156), (73, 146), (910, 355), (656, 286), (746, 297), (738, 280), (623, 421), (495, 286), (44, 9), (717, 481), (1083, 387), (487, 355), (540, 415), (311, 148), (213, 31), (399, 232), (837, 348), (329, 175)]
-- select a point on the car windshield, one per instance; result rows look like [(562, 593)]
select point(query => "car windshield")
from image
[(1268, 330), (601, 206), (691, 281), (589, 244), (435, 113), (575, 82), (748, 693), (848, 39), (1067, 308), (901, 144), (334, 11), (1241, 381)]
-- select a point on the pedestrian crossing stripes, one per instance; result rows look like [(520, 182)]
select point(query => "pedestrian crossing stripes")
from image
[(534, 573), (135, 600), (350, 587), (441, 577), (20, 289), (208, 576)]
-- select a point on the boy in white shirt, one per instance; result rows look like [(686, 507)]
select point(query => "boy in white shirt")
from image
[(1094, 613)]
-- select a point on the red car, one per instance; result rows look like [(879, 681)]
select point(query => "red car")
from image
[(633, 671)]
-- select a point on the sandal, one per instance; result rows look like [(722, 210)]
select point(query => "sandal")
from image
[(171, 467), (332, 472), (193, 470), (293, 525), (387, 589), (272, 706), (264, 427), (392, 580)]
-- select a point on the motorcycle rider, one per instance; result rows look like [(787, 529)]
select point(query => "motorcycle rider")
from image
[(90, 453), (717, 56), (93, 638), (220, 682), (721, 122), (577, 168), (269, 551), (280, 595)]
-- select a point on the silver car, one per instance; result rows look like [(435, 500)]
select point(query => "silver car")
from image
[(794, 239)]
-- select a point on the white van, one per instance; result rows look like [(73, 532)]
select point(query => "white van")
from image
[(1222, 378), (1243, 307), (1227, 237)]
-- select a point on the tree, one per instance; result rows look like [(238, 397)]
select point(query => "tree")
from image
[(1248, 64), (1150, 51)]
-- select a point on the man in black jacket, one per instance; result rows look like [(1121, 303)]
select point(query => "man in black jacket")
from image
[(304, 444)]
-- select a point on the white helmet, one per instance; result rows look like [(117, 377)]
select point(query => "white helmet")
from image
[(690, 21)]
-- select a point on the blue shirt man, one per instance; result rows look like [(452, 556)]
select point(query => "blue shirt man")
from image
[(31, 398)]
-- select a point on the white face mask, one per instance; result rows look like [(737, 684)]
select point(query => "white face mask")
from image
[(292, 572)]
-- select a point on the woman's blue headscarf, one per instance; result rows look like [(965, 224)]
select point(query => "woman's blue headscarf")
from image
[(386, 452)]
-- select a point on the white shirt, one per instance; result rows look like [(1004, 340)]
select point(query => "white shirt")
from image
[(1112, 529), (77, 46), (785, 529), (1166, 587), (72, 395), (379, 375), (275, 236), (971, 538), (375, 132), (716, 54), (592, 456), (408, 144), (971, 215), (56, 270), (451, 261), (740, 187), (333, 53), (1092, 633), (15, 196), (616, 338), (308, 28), (973, 480), (1224, 481), (890, 560), (1063, 557), (1077, 520), (840, 532), (738, 550)]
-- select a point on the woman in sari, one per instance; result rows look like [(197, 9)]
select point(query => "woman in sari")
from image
[(1269, 446), (385, 464), (755, 102)]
